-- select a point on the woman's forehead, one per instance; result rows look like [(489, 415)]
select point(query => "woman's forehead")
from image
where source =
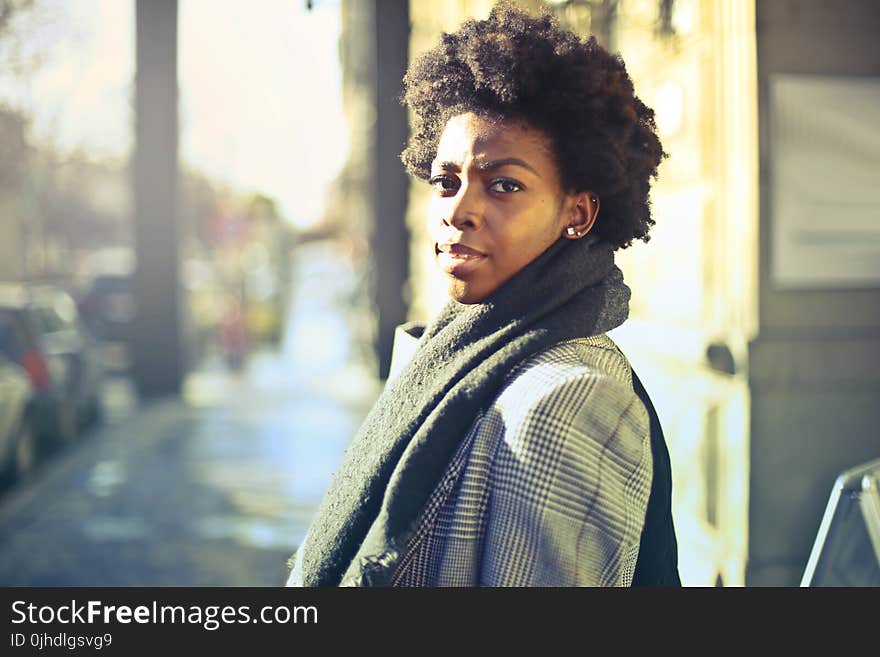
[(470, 136)]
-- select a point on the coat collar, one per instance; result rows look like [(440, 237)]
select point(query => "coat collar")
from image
[(406, 341)]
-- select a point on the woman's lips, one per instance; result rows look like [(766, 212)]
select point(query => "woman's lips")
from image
[(458, 259)]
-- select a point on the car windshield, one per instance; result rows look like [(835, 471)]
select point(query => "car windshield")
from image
[(50, 320), (54, 312)]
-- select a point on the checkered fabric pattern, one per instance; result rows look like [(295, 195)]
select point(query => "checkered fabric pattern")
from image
[(551, 484)]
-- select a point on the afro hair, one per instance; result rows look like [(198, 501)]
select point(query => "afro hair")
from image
[(513, 66)]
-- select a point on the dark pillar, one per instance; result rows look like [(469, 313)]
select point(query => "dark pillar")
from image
[(389, 240), (157, 363)]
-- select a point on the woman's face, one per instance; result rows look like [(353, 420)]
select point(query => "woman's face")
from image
[(497, 203)]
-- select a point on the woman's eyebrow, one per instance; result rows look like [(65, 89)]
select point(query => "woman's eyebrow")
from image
[(447, 166), (488, 166), (506, 161)]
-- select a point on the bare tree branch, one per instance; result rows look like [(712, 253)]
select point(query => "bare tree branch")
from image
[(9, 8)]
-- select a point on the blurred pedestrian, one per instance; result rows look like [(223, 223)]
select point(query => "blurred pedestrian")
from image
[(233, 335)]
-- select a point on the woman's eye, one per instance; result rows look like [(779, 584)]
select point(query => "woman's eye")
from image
[(444, 184), (505, 186)]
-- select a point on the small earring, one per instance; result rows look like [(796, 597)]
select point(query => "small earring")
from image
[(572, 231)]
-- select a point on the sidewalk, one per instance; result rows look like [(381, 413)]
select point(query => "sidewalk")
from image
[(216, 489)]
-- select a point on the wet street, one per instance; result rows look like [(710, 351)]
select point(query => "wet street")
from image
[(215, 489)]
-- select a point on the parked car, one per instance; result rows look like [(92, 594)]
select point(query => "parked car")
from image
[(107, 310), (63, 334), (107, 307), (18, 448), (42, 333)]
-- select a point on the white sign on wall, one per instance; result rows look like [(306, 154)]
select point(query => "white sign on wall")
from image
[(825, 182)]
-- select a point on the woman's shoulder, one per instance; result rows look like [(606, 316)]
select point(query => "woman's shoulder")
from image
[(575, 383), (594, 359)]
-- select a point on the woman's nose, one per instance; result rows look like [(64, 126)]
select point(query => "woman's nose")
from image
[(465, 210)]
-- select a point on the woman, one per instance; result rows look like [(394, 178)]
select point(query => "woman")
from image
[(512, 448)]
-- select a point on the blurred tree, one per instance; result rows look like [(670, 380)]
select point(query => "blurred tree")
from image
[(86, 202), (13, 148), (13, 123), (17, 55), (13, 154), (8, 9)]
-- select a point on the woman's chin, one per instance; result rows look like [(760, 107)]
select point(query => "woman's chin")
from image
[(463, 291), (468, 292)]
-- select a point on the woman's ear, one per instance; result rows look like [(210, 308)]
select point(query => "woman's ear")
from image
[(584, 208)]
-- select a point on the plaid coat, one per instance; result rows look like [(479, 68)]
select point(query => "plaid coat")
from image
[(550, 486)]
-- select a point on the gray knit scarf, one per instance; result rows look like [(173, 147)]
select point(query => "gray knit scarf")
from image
[(400, 452)]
